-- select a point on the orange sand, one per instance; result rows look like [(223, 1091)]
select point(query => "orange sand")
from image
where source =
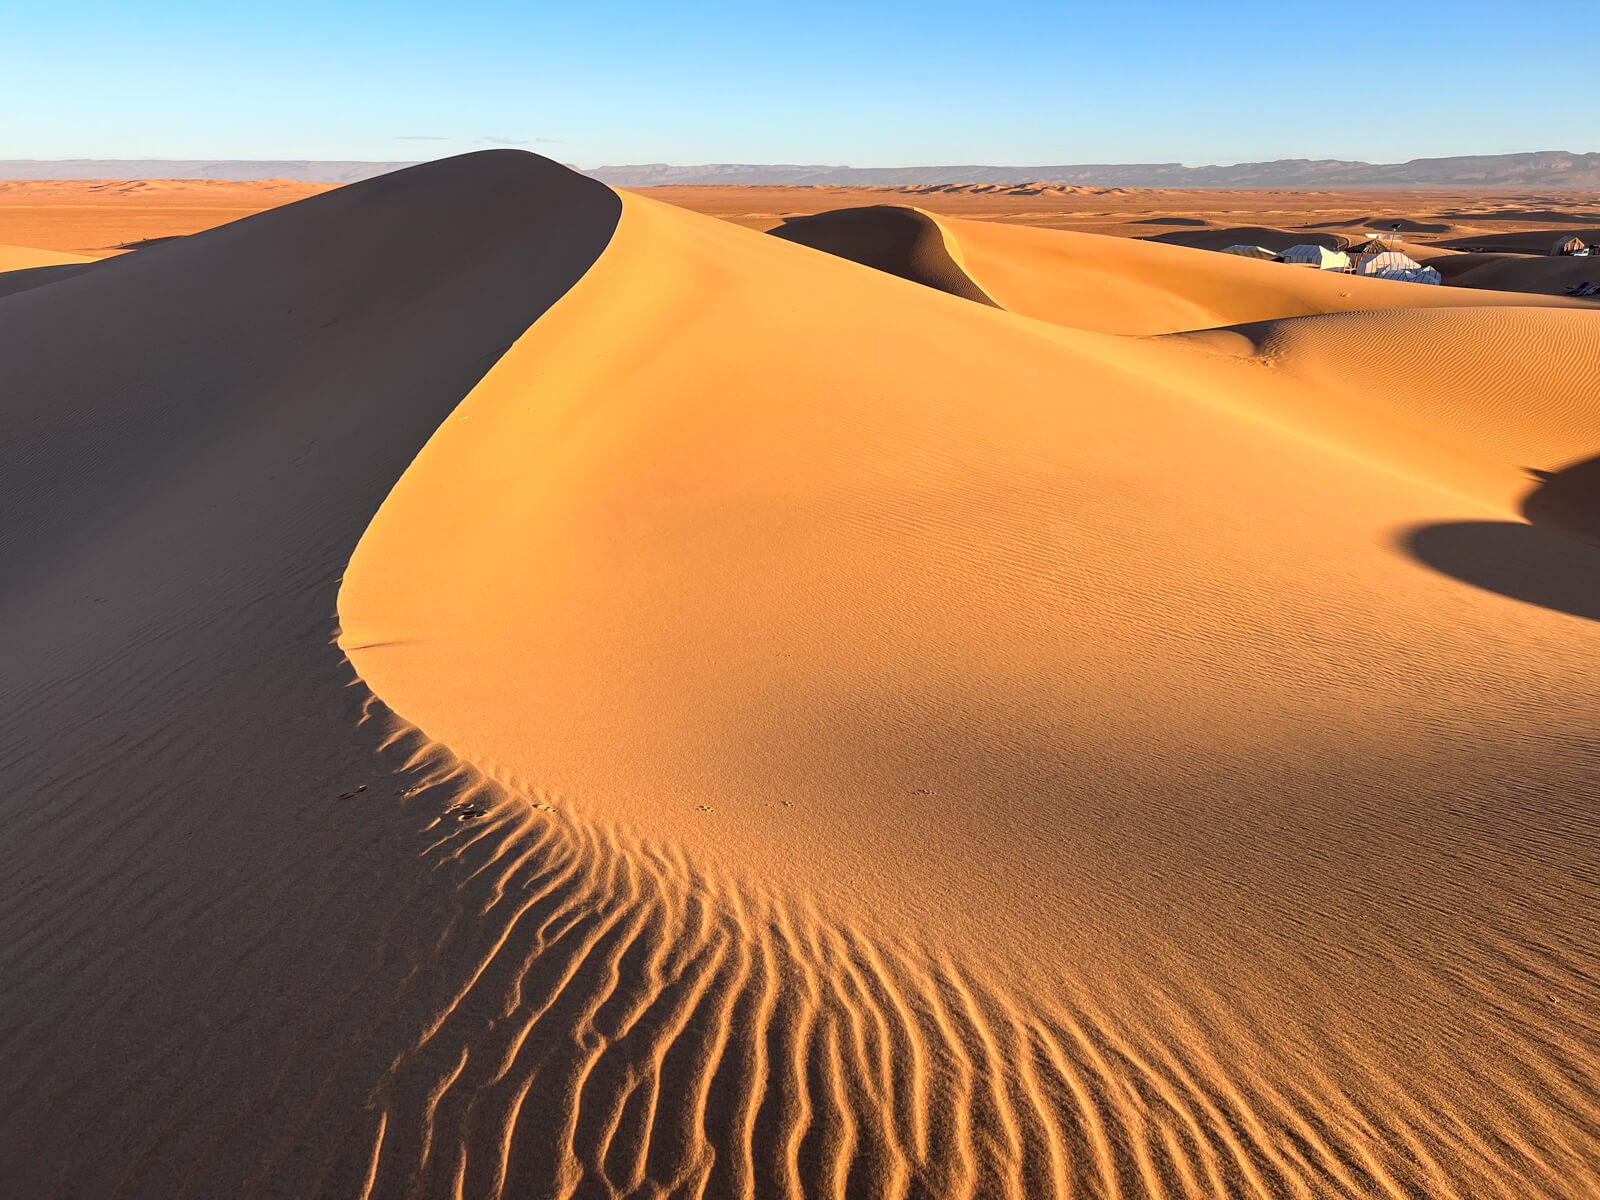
[(96, 217), (820, 735)]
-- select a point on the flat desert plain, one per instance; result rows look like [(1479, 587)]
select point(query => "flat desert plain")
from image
[(518, 689)]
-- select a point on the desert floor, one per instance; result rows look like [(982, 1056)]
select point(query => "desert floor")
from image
[(99, 217), (520, 689)]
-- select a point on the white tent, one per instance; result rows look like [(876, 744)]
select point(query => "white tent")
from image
[(1393, 265), (1252, 252), (1317, 256)]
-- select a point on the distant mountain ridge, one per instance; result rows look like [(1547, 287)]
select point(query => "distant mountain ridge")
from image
[(1540, 169), (1551, 169)]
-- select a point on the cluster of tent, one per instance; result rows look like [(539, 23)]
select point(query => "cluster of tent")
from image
[(1391, 264), (1375, 261), (1570, 246)]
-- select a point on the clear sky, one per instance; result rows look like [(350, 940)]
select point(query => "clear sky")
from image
[(858, 83)]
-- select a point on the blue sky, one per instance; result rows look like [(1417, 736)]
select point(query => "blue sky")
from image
[(826, 82)]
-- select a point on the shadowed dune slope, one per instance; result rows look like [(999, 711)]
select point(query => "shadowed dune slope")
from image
[(901, 240), (1097, 669), (207, 960)]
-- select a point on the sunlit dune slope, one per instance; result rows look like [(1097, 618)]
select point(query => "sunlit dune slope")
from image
[(1479, 400), (661, 533), (1025, 638), (1124, 285)]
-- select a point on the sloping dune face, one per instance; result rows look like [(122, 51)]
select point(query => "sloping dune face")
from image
[(1095, 726), (825, 737)]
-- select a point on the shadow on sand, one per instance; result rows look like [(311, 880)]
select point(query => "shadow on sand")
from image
[(1553, 561)]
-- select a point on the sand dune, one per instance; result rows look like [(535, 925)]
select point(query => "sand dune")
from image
[(22, 258), (804, 732), (1109, 285), (903, 241)]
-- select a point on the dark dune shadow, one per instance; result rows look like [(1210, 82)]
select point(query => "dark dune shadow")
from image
[(1554, 561), (1523, 562), (900, 241), (1568, 501), (27, 278)]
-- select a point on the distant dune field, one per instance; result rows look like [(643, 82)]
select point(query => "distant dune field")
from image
[(522, 689), (98, 217)]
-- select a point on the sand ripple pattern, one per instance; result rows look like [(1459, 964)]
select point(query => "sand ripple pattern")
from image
[(605, 1020), (546, 1011)]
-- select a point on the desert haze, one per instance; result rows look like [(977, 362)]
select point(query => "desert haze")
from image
[(517, 688)]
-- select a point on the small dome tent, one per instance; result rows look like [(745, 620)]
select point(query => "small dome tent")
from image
[(1252, 252), (1317, 256), (1393, 265), (1569, 245)]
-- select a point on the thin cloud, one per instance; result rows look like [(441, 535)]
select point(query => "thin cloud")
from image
[(419, 137)]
